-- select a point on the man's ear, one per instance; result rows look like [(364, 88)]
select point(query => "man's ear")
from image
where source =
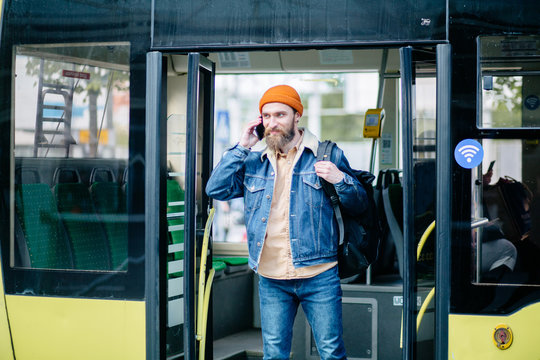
[(296, 116)]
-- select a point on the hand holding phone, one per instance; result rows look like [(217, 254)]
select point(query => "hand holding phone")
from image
[(259, 130), (491, 166)]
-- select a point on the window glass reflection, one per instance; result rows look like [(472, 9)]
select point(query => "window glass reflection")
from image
[(506, 211), (71, 126), (509, 81)]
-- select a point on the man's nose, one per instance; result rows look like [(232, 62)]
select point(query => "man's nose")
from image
[(272, 122)]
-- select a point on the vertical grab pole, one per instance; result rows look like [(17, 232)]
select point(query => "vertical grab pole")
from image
[(382, 80), (380, 94), (444, 203), (409, 248)]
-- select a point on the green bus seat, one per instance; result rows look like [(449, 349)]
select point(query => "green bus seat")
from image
[(83, 227), (175, 200), (234, 264), (219, 267), (47, 245), (110, 204), (175, 221)]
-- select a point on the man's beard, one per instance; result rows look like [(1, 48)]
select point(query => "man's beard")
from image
[(276, 142)]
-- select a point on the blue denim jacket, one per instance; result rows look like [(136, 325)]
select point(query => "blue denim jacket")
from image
[(313, 229)]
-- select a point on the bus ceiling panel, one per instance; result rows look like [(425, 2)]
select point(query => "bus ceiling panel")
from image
[(336, 60), (109, 55), (331, 60), (189, 25)]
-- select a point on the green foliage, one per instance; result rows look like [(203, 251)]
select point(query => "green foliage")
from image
[(507, 96), (338, 127), (332, 101)]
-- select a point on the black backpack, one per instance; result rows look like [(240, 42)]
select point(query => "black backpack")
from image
[(359, 235)]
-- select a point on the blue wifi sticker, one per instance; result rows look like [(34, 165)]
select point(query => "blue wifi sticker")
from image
[(469, 153)]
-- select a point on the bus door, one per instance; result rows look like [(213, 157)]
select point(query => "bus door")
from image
[(495, 294), (424, 105), (178, 162)]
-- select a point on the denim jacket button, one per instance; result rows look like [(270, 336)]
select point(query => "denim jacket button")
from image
[(258, 244), (268, 196), (263, 219), (272, 173)]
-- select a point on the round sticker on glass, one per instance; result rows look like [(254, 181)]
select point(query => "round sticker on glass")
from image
[(469, 153), (532, 102)]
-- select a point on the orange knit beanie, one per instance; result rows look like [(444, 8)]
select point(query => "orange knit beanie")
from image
[(282, 94)]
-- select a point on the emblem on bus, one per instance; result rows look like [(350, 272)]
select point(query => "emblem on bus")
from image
[(502, 336), (469, 153)]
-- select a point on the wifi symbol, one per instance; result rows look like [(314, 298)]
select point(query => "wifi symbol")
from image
[(469, 153)]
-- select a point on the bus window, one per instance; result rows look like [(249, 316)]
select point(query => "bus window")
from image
[(509, 81), (506, 212), (70, 148)]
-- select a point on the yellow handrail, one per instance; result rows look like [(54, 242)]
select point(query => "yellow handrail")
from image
[(423, 239), (202, 272), (428, 298), (208, 288), (423, 308)]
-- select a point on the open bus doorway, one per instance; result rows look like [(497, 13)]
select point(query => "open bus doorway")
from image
[(335, 97)]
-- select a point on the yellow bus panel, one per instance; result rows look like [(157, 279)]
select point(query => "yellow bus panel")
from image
[(6, 351), (472, 336), (64, 328)]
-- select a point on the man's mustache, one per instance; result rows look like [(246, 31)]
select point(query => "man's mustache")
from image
[(272, 132)]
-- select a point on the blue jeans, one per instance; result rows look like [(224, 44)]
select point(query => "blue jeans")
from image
[(320, 297)]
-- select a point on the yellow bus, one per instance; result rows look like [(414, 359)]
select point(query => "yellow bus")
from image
[(113, 115)]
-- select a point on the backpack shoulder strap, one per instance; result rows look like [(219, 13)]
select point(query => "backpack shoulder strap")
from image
[(324, 153), (325, 150)]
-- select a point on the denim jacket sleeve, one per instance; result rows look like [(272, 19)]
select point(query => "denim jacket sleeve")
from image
[(227, 179), (352, 195)]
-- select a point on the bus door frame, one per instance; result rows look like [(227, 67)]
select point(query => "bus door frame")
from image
[(200, 96), (443, 203), (155, 195), (443, 229), (409, 250), (155, 189)]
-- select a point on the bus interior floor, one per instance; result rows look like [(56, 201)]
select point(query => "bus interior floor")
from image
[(245, 345)]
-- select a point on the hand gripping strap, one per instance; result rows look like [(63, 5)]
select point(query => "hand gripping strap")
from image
[(324, 153)]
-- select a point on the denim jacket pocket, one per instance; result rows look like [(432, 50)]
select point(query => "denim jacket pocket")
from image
[(254, 189), (313, 192)]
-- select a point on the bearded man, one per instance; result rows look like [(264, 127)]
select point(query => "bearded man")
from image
[(292, 233)]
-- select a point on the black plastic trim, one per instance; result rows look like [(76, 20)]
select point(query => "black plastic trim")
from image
[(409, 243), (443, 202)]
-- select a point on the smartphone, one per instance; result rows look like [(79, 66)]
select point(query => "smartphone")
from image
[(259, 130), (491, 166)]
